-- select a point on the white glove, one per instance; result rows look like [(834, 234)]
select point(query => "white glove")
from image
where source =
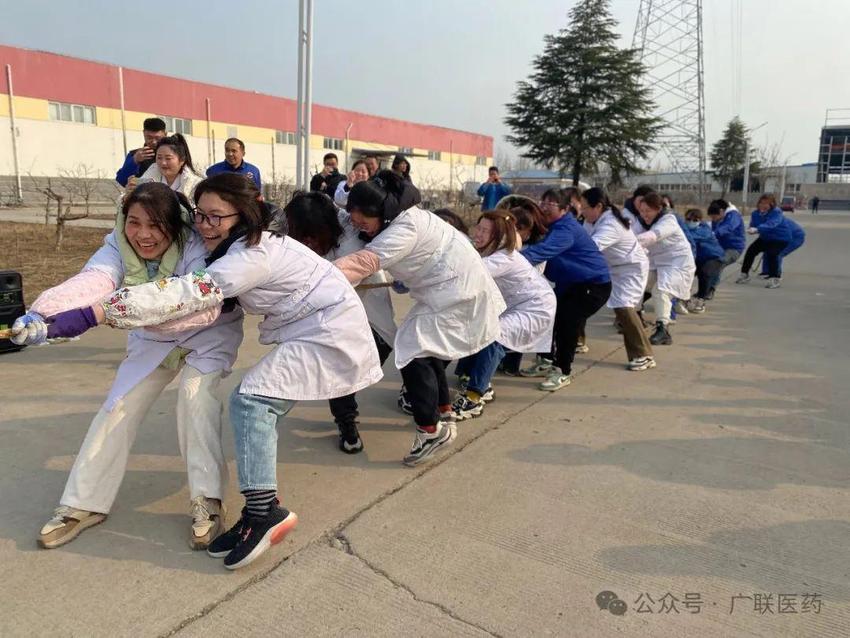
[(30, 328), (752, 231), (647, 239)]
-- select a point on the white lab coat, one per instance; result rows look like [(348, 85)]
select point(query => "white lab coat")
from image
[(458, 304), (627, 260), (323, 345), (671, 257), (211, 348), (341, 195), (376, 301), (526, 325), (185, 182)]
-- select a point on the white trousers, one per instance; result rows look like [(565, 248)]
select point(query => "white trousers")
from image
[(662, 302), (102, 461)]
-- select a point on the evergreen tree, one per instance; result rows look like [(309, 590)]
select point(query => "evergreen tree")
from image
[(727, 154), (584, 105)]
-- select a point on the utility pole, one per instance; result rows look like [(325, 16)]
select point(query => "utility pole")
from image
[(304, 102)]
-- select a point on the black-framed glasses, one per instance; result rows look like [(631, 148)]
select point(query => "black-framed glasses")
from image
[(213, 220)]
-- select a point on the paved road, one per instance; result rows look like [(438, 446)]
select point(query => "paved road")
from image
[(717, 479)]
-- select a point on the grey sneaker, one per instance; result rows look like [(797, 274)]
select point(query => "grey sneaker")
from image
[(207, 521), (555, 381), (582, 348), (773, 282), (742, 279), (641, 363), (540, 368), (66, 525), (681, 308)]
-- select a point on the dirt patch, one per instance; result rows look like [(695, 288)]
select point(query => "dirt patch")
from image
[(30, 250)]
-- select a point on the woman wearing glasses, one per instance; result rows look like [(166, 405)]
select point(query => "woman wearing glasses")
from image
[(153, 239), (313, 318)]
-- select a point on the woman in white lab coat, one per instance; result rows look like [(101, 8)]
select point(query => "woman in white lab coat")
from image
[(671, 262), (526, 325), (323, 346), (628, 266), (316, 223), (172, 167), (457, 304), (153, 238)]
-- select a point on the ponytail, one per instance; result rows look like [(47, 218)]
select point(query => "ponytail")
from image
[(596, 196), (180, 146)]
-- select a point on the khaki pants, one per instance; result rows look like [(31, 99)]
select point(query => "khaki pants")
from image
[(102, 460), (634, 336)]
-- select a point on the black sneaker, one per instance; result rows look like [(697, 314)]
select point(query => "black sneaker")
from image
[(403, 402), (349, 437), (661, 336), (259, 534), (710, 294), (466, 408), (224, 543)]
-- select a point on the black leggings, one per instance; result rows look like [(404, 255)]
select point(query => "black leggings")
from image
[(707, 272), (771, 250), (427, 388), (344, 409), (576, 304)]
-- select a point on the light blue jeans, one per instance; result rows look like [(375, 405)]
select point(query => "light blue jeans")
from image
[(255, 420)]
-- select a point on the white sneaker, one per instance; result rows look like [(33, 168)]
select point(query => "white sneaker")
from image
[(540, 368), (639, 364), (207, 521), (773, 282), (582, 348), (742, 279), (681, 309), (66, 525), (426, 444), (555, 381)]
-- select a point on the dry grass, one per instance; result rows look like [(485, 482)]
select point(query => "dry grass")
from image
[(29, 249)]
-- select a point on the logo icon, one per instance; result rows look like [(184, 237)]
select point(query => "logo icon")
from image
[(610, 601)]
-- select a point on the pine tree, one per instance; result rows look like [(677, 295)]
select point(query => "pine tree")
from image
[(727, 154), (584, 105)]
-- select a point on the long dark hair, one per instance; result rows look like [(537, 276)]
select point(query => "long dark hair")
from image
[(528, 218), (180, 146), (243, 195), (164, 208), (595, 196), (313, 216)]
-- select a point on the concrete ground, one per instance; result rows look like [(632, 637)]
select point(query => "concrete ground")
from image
[(709, 495)]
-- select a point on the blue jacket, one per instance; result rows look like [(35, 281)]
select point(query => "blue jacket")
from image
[(248, 170), (730, 231), (492, 193), (687, 232), (707, 245), (798, 237), (131, 169), (570, 254), (770, 225)]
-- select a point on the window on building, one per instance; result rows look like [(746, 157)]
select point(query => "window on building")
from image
[(177, 125), (332, 143), (284, 137), (63, 112), (405, 150), (481, 161), (435, 155)]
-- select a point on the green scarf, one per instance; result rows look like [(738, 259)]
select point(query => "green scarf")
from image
[(136, 272)]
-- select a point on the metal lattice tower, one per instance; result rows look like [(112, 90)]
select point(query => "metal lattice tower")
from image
[(668, 35)]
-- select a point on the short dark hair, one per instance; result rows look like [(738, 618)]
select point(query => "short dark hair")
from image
[(180, 146), (653, 200), (329, 156), (717, 206), (237, 140), (642, 190), (452, 219), (556, 195), (154, 125), (243, 195), (493, 168), (163, 206), (313, 216)]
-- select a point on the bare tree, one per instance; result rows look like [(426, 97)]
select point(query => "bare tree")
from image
[(80, 183), (767, 164), (45, 187)]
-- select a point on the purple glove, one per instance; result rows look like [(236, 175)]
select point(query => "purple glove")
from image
[(71, 323)]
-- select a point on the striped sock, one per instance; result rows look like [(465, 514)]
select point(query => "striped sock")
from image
[(258, 503)]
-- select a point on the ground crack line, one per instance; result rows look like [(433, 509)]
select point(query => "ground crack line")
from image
[(343, 543)]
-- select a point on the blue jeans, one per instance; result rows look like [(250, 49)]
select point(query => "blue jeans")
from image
[(481, 366), (255, 420), (730, 256)]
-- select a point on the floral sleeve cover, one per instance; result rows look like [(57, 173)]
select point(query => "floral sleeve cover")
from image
[(160, 301)]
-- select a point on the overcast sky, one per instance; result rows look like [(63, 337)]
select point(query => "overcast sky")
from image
[(449, 62)]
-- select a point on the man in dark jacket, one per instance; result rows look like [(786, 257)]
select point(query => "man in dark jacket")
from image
[(327, 180), (140, 159)]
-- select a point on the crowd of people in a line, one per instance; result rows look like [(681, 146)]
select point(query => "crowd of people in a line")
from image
[(189, 257)]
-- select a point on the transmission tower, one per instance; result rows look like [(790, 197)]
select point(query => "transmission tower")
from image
[(668, 35)]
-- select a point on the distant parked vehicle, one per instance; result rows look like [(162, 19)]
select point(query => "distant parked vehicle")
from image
[(788, 203)]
